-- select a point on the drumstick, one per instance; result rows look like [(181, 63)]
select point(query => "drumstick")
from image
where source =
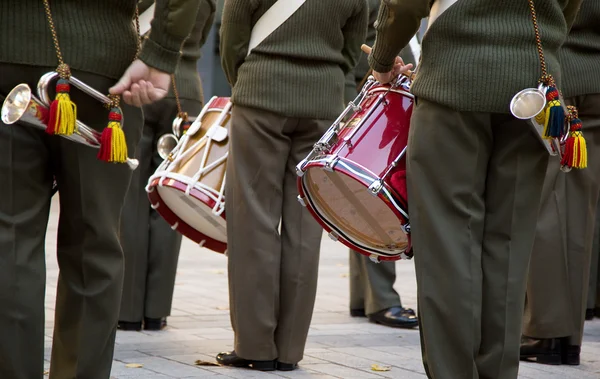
[(367, 49)]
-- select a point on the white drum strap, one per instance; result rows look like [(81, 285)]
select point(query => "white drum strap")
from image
[(438, 7), (273, 19)]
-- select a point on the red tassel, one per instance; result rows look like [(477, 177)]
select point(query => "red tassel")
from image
[(105, 145), (52, 118)]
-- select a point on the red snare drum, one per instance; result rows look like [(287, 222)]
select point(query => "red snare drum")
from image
[(187, 189), (354, 180)]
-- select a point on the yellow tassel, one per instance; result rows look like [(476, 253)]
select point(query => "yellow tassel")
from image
[(66, 114), (118, 145), (579, 152), (541, 117)]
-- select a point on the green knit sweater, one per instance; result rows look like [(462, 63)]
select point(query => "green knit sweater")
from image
[(187, 78), (580, 55), (96, 36), (479, 53), (360, 71), (298, 71)]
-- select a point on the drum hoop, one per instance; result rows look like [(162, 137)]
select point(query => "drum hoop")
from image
[(395, 90), (181, 226), (158, 178), (386, 196), (354, 168), (349, 241)]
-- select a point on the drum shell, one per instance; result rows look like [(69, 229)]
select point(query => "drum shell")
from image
[(365, 150), (186, 168)]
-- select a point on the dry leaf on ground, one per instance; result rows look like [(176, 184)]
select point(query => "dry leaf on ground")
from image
[(204, 363), (344, 275), (134, 365), (223, 308), (376, 367)]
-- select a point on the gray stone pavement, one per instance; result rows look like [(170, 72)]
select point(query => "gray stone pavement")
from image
[(338, 346)]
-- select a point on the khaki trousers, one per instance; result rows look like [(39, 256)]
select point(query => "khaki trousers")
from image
[(372, 284), (593, 298), (474, 181), (150, 246), (272, 275), (560, 262), (88, 250)]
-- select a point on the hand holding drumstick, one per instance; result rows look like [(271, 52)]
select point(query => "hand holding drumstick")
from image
[(399, 69)]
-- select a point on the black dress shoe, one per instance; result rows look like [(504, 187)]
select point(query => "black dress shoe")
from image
[(542, 350), (589, 314), (358, 313), (570, 354), (395, 317), (130, 326), (286, 366), (231, 359), (597, 312), (155, 323)]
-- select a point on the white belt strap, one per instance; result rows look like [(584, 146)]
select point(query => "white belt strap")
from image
[(438, 7), (145, 19), (272, 19), (415, 48)]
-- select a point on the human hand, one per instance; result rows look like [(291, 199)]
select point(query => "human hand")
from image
[(142, 84), (398, 69)]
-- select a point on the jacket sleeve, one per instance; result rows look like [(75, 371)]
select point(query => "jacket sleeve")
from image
[(571, 11), (355, 33), (398, 21), (172, 23), (236, 27)]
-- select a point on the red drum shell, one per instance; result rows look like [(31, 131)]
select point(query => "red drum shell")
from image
[(365, 149)]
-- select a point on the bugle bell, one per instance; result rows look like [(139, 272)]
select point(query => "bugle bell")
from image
[(21, 105), (168, 141), (526, 105)]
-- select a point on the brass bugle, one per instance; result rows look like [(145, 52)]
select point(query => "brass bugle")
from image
[(21, 105), (526, 105), (168, 141)]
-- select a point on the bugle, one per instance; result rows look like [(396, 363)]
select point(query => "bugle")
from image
[(21, 105), (168, 141)]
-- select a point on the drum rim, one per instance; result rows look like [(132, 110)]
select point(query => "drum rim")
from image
[(329, 226), (172, 218)]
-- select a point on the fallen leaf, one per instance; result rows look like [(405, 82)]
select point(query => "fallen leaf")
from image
[(376, 367), (134, 365), (344, 275), (223, 308), (46, 372), (220, 272), (340, 265), (204, 363)]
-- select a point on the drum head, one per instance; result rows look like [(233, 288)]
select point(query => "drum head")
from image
[(348, 206), (194, 210)]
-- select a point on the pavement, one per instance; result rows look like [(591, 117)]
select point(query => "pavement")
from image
[(339, 346)]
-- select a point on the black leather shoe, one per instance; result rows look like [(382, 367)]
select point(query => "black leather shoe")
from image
[(547, 351), (286, 366), (358, 313), (231, 359), (597, 311), (570, 354), (589, 314), (130, 326), (155, 323), (395, 317)]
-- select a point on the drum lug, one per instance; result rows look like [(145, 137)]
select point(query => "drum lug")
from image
[(300, 168), (374, 258), (331, 162), (334, 236), (376, 187), (301, 201), (406, 228)]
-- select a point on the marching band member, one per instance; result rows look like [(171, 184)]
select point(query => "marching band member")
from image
[(150, 246), (372, 292), (474, 172), (560, 263), (593, 298), (286, 94), (97, 40)]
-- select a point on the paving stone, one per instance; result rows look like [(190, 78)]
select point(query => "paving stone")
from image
[(338, 346)]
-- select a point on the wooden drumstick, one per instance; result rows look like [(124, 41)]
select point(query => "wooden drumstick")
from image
[(367, 49)]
